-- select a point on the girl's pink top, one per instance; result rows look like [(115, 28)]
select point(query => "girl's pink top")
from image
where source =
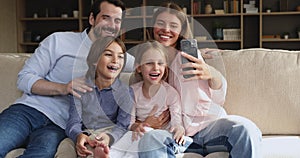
[(165, 98)]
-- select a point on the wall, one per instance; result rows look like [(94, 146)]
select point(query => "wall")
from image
[(8, 26)]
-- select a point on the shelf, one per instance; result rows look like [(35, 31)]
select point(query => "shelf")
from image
[(133, 17), (30, 43), (282, 40), (250, 14), (48, 19), (217, 15), (252, 25), (281, 13), (221, 41), (127, 41)]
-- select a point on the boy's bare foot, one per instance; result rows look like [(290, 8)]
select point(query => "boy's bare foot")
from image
[(101, 151)]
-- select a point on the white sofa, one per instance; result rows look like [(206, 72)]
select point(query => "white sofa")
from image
[(263, 85)]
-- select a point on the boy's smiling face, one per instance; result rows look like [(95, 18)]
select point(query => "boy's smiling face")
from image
[(110, 62)]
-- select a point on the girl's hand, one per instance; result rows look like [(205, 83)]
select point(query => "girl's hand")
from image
[(178, 134), (138, 130)]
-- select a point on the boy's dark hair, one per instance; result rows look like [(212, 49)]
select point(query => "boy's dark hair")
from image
[(95, 9)]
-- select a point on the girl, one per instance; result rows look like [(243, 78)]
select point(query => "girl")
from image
[(150, 91), (201, 96), (101, 117)]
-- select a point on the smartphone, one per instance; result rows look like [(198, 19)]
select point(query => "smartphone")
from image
[(190, 47)]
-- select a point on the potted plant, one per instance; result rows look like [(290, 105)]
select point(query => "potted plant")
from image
[(298, 31), (218, 30), (285, 35), (268, 9)]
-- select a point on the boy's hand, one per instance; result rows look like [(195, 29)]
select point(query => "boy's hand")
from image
[(81, 149), (102, 138)]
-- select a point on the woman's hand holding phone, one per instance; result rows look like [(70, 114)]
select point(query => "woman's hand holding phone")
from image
[(200, 68)]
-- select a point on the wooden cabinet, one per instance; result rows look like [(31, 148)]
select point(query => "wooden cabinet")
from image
[(37, 19), (281, 19), (256, 29)]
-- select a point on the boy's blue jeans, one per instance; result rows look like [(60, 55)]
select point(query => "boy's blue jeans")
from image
[(23, 126), (236, 135)]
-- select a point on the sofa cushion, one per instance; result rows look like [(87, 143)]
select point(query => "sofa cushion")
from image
[(263, 85), (11, 64), (281, 146)]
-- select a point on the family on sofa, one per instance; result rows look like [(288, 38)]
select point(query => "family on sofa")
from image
[(53, 87)]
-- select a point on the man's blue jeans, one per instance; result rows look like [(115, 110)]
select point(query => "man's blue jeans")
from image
[(234, 134), (23, 126)]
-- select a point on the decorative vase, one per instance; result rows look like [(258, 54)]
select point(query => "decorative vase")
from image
[(208, 9), (218, 33), (298, 8)]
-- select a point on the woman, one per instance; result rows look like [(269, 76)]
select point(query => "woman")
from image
[(202, 97)]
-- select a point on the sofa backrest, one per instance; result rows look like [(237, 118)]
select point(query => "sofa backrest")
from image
[(263, 85), (10, 65)]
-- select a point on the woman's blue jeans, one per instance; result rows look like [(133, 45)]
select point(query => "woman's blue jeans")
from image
[(236, 135), (23, 126)]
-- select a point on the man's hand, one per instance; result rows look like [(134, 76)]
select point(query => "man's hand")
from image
[(208, 53), (47, 88), (77, 85), (160, 121)]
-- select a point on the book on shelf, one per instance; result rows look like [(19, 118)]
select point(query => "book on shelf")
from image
[(231, 6), (226, 6), (234, 6), (197, 7), (232, 34)]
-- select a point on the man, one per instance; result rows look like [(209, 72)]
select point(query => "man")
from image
[(37, 120)]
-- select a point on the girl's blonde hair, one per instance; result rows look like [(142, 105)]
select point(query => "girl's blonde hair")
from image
[(97, 49), (174, 9), (140, 50)]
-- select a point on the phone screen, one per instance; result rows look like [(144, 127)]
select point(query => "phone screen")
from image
[(190, 47)]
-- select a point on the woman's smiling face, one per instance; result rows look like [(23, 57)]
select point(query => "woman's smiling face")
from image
[(167, 28)]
